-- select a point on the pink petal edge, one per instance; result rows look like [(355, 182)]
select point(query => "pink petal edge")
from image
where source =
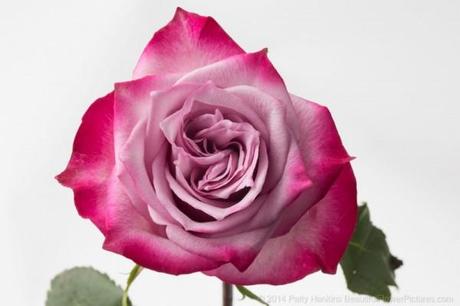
[(187, 42)]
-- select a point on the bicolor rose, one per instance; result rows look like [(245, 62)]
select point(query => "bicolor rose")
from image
[(205, 162)]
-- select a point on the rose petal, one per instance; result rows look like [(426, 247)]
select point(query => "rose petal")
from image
[(164, 103), (187, 42), (132, 236), (92, 161), (320, 143), (252, 69), (317, 241), (323, 155), (133, 103), (273, 113), (135, 178), (240, 249)]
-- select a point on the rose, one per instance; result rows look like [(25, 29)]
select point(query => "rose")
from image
[(205, 162)]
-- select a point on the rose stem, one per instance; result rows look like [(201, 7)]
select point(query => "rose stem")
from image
[(227, 294)]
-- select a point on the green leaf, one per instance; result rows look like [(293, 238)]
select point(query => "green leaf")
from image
[(83, 286), (368, 264), (248, 293)]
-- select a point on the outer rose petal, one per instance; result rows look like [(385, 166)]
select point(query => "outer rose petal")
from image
[(253, 69), (239, 249), (319, 139), (133, 102), (317, 241), (132, 236), (92, 161), (323, 155), (187, 42)]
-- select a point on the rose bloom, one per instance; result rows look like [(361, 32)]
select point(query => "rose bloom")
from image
[(205, 162)]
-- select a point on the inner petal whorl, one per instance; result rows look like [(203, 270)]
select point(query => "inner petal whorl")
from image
[(210, 133), (215, 163)]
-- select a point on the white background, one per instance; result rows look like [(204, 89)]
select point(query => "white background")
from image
[(388, 70)]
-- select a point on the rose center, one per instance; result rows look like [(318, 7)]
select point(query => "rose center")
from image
[(225, 154)]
